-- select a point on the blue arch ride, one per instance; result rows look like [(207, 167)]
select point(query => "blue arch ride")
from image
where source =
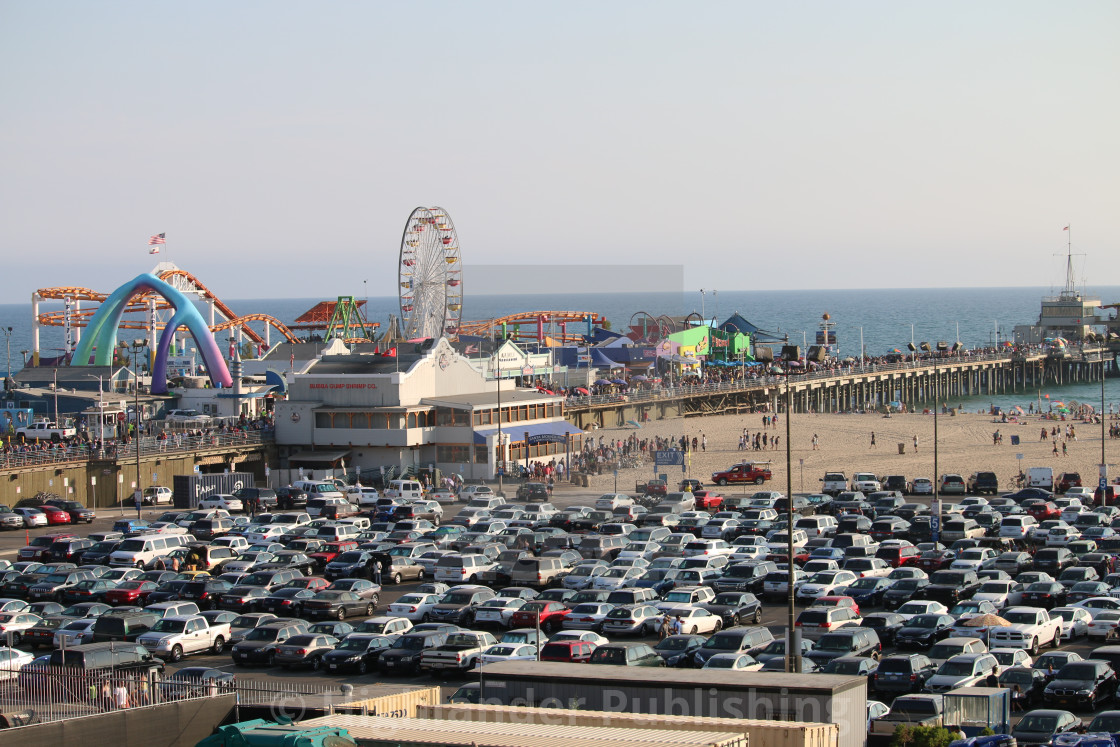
[(101, 334)]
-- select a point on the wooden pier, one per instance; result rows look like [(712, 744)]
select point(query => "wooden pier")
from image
[(918, 384)]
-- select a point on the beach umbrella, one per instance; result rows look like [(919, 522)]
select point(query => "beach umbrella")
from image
[(542, 390), (1056, 403), (639, 377), (985, 621), (896, 351), (619, 382), (581, 390), (602, 382), (1017, 409)]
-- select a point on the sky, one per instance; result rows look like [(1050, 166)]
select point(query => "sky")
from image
[(282, 145)]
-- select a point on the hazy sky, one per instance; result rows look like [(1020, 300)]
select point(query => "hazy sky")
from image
[(282, 145)]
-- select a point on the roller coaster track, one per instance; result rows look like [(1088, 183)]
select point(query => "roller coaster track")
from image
[(487, 327), (179, 278)]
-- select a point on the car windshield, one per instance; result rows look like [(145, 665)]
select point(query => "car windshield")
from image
[(906, 584), (355, 644), (244, 621), (262, 634), (411, 643), (894, 666), (1086, 672), (1016, 618), (1038, 722), (834, 643), (1065, 614), (1105, 723), (724, 640), (956, 668), (843, 666), (673, 643), (924, 621), (995, 587), (169, 626)]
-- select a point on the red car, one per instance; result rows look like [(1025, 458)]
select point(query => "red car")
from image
[(55, 515), (898, 557), (332, 550), (707, 499), (570, 651), (129, 593), (552, 616), (836, 600), (934, 560), (1043, 511)]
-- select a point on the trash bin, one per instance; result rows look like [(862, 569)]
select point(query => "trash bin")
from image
[(1014, 440), (901, 447)]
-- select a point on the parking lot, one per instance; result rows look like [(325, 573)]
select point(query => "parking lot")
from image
[(775, 615)]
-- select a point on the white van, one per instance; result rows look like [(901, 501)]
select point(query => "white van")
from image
[(335, 532), (141, 552), (1017, 527), (1040, 477), (408, 490), (318, 489)]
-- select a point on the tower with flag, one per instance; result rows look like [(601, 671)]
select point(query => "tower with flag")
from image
[(155, 242)]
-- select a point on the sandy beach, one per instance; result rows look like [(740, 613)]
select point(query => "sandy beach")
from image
[(964, 446)]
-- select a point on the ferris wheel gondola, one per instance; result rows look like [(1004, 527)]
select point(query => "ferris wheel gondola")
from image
[(430, 275)]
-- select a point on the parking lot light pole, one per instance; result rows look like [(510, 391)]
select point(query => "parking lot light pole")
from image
[(793, 643)]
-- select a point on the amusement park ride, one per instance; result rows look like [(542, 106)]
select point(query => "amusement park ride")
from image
[(430, 278), (147, 311)]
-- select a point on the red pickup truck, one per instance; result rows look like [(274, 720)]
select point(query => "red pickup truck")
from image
[(747, 472)]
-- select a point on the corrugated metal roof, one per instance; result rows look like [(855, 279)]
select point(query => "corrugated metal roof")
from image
[(365, 729), (461, 712), (651, 677)]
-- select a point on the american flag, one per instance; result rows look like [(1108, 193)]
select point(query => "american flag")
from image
[(156, 241)]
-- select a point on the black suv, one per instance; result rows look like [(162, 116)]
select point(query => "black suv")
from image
[(982, 482), (266, 498), (404, 656), (902, 673), (289, 498), (78, 512), (533, 491), (950, 586), (1082, 684), (853, 641)]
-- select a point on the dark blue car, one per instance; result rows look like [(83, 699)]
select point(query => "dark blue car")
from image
[(868, 592)]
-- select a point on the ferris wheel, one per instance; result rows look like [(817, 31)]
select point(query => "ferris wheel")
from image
[(431, 275)]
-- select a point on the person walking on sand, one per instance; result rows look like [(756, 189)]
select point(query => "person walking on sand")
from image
[(703, 442), (872, 439), (915, 443), (816, 442), (1055, 447), (1065, 448)]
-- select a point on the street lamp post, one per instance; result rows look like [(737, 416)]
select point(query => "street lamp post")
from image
[(793, 644), (136, 347), (8, 335)]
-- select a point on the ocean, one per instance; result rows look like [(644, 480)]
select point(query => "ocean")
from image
[(885, 318)]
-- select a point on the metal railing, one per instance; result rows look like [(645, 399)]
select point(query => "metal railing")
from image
[(758, 382), (39, 694), (16, 457)]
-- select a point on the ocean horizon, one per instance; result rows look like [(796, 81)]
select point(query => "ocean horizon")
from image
[(882, 318)]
